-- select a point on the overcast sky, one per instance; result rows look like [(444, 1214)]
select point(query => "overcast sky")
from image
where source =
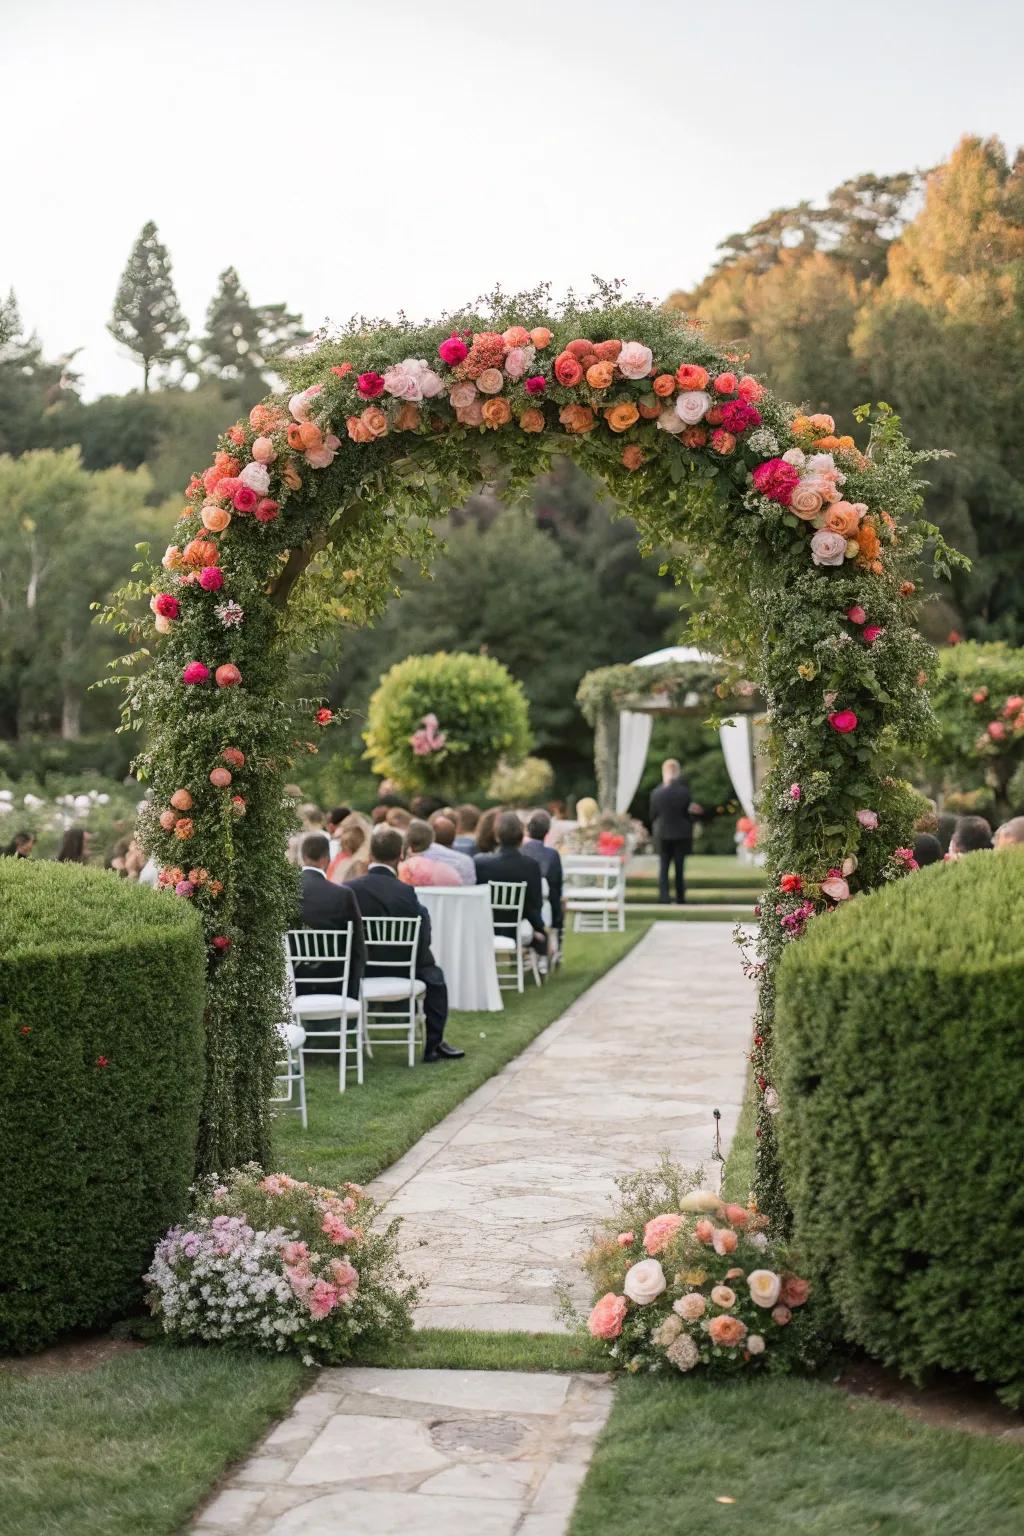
[(374, 155)]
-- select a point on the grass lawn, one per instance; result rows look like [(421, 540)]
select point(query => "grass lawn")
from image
[(358, 1134), (460, 1349)]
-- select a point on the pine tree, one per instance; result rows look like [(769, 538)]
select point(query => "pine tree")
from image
[(242, 337), (35, 391), (147, 317)]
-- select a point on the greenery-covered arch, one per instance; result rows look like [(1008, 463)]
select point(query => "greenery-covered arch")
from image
[(805, 548)]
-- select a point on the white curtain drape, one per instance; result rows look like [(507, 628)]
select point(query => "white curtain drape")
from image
[(739, 759), (634, 740)]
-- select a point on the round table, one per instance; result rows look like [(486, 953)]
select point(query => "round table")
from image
[(462, 940)]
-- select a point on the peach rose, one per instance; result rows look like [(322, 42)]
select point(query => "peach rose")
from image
[(843, 517), (408, 418), (822, 423), (490, 381), (664, 385), (781, 1315), (704, 1230), (496, 412), (605, 1321), (462, 394), (726, 1331), (567, 370), (600, 375), (171, 557), (723, 1296), (633, 457), (532, 420), (357, 431), (644, 1282), (723, 442), (764, 1285), (635, 360), (794, 1290), (577, 418), (472, 415), (263, 451), (516, 336), (723, 1241), (737, 1215), (621, 417), (806, 501), (216, 519), (374, 420), (690, 1307), (660, 1231), (726, 384), (541, 337)]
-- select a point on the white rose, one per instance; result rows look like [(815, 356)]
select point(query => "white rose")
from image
[(765, 1286), (667, 1332), (645, 1282), (828, 548), (754, 1344), (634, 361), (257, 478), (668, 421), (700, 1200), (820, 464), (796, 456), (692, 405), (758, 1240), (690, 1307)]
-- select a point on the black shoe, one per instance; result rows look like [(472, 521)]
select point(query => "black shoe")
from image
[(443, 1052)]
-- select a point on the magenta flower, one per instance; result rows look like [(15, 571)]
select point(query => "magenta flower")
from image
[(856, 615), (843, 720), (871, 633), (452, 351), (195, 672), (211, 578), (795, 791), (536, 385)]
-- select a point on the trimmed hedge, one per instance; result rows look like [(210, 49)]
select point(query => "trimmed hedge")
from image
[(101, 1066), (900, 1047)]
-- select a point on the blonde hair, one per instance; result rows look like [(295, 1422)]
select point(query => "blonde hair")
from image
[(587, 811)]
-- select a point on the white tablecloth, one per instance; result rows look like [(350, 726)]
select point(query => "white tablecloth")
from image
[(462, 939)]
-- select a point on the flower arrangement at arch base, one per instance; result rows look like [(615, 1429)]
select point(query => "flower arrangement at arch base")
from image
[(270, 1262), (686, 1281)]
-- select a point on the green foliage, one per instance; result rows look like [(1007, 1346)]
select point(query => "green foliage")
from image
[(242, 338), (147, 318), (33, 390), (526, 783), (977, 701), (42, 759), (898, 1042), (101, 998), (481, 712)]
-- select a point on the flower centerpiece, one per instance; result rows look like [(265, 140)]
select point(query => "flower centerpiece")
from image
[(278, 1264)]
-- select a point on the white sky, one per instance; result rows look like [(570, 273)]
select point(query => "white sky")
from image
[(374, 155)]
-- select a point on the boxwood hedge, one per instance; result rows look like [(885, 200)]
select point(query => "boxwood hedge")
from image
[(101, 1063), (900, 1044)]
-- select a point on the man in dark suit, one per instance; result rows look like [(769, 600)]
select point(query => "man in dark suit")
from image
[(671, 815), (511, 863), (550, 861), (380, 893), (326, 905)]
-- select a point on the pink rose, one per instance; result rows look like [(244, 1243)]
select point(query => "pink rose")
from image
[(871, 633), (263, 451), (462, 394), (828, 548), (453, 351), (843, 720), (322, 457), (856, 615), (836, 888), (345, 1277), (257, 477), (431, 384), (166, 605), (295, 1253), (624, 1239), (195, 672), (781, 1315), (806, 500), (635, 360), (868, 820), (723, 1241), (691, 406), (244, 499), (266, 510), (322, 1299), (516, 362), (299, 404), (211, 578), (402, 382), (605, 1321), (996, 730), (536, 385), (490, 381), (660, 1231)]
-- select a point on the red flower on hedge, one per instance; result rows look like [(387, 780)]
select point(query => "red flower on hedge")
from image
[(324, 716), (738, 415), (341, 369), (166, 605), (370, 385), (101, 1061), (777, 480), (221, 943), (26, 1029), (791, 884), (843, 720)]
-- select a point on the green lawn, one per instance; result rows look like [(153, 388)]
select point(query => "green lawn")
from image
[(357, 1134), (795, 1458)]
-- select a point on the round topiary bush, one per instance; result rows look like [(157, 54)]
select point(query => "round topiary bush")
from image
[(444, 722), (902, 1078), (101, 1068)]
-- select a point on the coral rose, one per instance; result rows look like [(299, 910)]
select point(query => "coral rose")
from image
[(183, 829), (660, 1231), (644, 1282), (723, 442), (608, 351), (490, 381), (181, 799), (577, 418), (516, 336), (692, 376), (690, 1307), (605, 1321), (580, 348), (541, 337), (737, 1215), (375, 421), (496, 412), (600, 375), (633, 456), (220, 778), (532, 420), (724, 1241), (713, 416), (704, 1230), (764, 1286), (266, 509), (310, 436), (726, 1331), (635, 360), (726, 384), (567, 370), (750, 389), (794, 1290), (624, 1239), (227, 676), (664, 385), (621, 417), (266, 418), (357, 431)]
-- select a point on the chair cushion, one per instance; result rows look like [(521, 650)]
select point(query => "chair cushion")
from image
[(504, 944), (324, 1005), (390, 989)]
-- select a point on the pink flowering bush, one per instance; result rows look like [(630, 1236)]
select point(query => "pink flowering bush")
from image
[(683, 1279), (274, 1263)]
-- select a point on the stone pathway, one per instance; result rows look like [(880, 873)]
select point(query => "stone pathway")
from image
[(420, 1453), (498, 1199)]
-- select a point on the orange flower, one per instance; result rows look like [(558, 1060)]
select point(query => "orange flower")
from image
[(295, 436), (846, 444), (532, 420), (695, 437), (823, 423), (608, 351), (408, 418), (237, 434), (215, 887), (310, 435), (199, 876), (867, 540), (649, 408), (577, 418), (183, 828), (801, 425), (567, 370), (225, 463), (265, 419), (633, 456), (842, 518), (579, 349), (621, 417), (692, 376), (374, 420), (877, 567), (496, 411), (291, 476), (216, 519), (356, 431), (723, 442), (664, 385), (726, 1331), (200, 552), (600, 375), (907, 589), (516, 336), (541, 337), (826, 444)]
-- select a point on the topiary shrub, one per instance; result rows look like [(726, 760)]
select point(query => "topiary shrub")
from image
[(101, 1067), (978, 698), (444, 722), (902, 1075)]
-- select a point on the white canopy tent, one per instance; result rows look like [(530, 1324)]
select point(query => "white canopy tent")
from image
[(635, 738)]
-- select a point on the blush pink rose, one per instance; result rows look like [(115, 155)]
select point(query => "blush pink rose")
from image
[(257, 477), (668, 421), (431, 384), (462, 394), (322, 457), (750, 389), (692, 405), (605, 1321), (490, 381), (322, 1299), (828, 548), (724, 1241), (263, 451), (624, 1239), (517, 362), (635, 360), (781, 1315), (660, 1231), (472, 415), (644, 1282), (868, 820), (299, 404)]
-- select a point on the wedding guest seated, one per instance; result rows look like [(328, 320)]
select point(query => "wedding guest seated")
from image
[(420, 867), (466, 819), (397, 816), (945, 826), (20, 846), (74, 848), (486, 836), (445, 852), (380, 893), (971, 835), (334, 821), (927, 849), (1010, 834), (326, 905), (352, 857), (424, 806), (550, 861), (511, 863)]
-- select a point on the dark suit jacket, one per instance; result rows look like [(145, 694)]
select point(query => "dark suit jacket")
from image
[(326, 905), (671, 821), (550, 861), (380, 893), (510, 864)]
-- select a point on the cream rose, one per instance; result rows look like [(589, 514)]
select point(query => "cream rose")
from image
[(635, 360), (462, 394), (668, 421), (692, 405), (765, 1286), (700, 1200), (645, 1282), (690, 1307), (828, 548), (755, 1344), (795, 456), (667, 1332), (683, 1353)]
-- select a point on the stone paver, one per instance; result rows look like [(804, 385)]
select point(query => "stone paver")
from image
[(498, 1199), (420, 1453)]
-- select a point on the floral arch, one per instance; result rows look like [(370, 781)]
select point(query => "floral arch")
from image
[(805, 549)]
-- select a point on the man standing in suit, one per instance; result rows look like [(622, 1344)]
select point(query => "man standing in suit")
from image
[(380, 893), (550, 861), (671, 815), (510, 863), (326, 905)]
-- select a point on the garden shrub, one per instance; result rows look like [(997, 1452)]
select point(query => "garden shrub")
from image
[(101, 1065), (902, 1076)]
